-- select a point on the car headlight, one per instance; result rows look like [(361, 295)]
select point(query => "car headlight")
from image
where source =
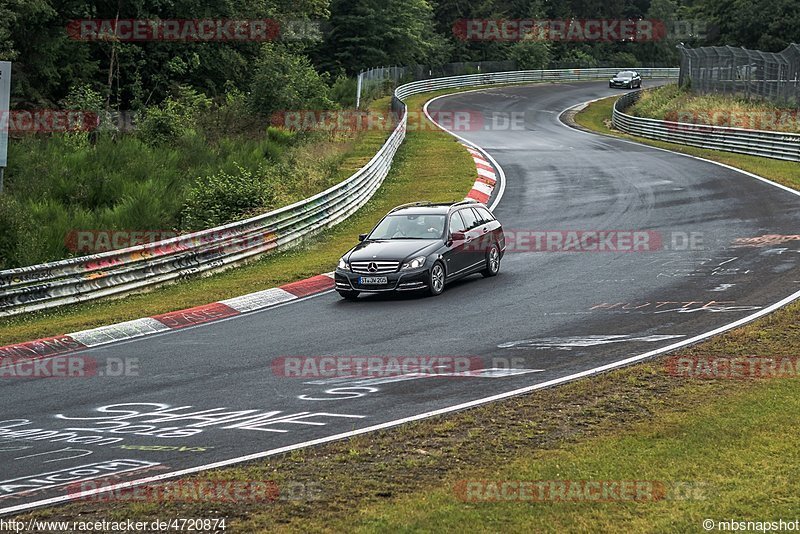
[(416, 263), (343, 264)]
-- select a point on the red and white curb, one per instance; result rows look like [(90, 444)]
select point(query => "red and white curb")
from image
[(207, 313), (484, 185), (490, 173)]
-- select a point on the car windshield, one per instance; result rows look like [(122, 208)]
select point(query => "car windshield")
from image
[(409, 227), (625, 74)]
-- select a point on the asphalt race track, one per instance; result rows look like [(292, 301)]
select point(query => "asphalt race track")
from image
[(548, 315)]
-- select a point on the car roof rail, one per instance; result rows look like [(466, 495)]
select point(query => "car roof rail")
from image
[(465, 201), (411, 205)]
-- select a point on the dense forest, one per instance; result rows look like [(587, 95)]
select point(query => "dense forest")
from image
[(52, 68)]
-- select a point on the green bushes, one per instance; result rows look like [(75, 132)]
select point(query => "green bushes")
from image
[(301, 171), (283, 81), (658, 101), (190, 164), (17, 227), (54, 187), (176, 117), (531, 54), (124, 183), (343, 91), (224, 196)]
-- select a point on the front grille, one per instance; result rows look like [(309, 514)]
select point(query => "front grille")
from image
[(381, 267)]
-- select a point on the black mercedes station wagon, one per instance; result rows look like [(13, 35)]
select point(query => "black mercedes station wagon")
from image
[(423, 246)]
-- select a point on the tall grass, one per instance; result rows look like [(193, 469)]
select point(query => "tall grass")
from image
[(670, 102), (55, 185)]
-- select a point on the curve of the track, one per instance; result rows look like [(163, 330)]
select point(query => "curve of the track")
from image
[(536, 315)]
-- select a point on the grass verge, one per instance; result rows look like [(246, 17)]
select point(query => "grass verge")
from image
[(430, 165), (729, 444), (671, 102)]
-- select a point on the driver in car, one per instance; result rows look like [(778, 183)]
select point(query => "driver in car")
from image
[(417, 226), (435, 226)]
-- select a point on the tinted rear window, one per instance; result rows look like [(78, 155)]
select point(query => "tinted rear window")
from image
[(484, 214), (470, 219)]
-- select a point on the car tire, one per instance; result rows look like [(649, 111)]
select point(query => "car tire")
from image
[(492, 262), (436, 278), (349, 295)]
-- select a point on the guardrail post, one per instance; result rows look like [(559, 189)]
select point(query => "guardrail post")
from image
[(358, 90)]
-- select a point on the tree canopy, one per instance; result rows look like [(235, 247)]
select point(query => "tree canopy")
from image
[(49, 62)]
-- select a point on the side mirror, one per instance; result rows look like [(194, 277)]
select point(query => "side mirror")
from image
[(362, 237)]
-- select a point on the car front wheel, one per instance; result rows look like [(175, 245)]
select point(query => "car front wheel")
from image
[(492, 262), (436, 279)]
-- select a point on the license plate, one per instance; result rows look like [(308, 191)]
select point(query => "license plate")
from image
[(367, 280)]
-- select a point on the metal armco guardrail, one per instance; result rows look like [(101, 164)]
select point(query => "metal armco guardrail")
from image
[(127, 270), (523, 76), (777, 145)]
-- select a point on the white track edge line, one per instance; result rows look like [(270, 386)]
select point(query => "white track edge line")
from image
[(639, 143)]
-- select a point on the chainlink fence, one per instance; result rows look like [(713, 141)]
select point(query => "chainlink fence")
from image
[(741, 72)]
